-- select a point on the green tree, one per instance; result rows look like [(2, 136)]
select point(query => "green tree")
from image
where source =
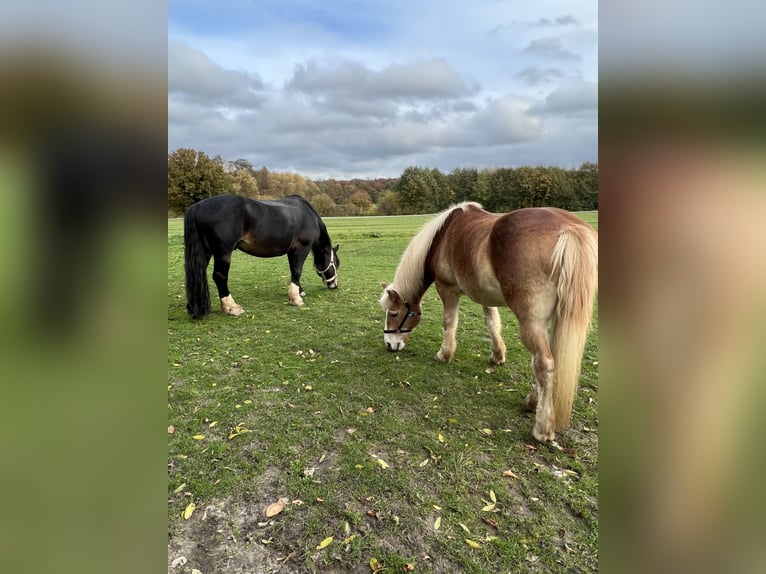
[(193, 176), (423, 190), (462, 181), (586, 186)]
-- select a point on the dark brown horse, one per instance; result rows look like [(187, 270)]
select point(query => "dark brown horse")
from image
[(216, 226), (542, 263)]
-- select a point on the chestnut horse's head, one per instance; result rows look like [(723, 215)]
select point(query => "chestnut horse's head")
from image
[(401, 318)]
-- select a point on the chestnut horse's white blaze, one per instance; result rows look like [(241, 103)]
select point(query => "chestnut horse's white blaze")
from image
[(542, 263)]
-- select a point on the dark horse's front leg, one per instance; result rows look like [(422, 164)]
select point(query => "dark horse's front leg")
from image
[(221, 277), (295, 291)]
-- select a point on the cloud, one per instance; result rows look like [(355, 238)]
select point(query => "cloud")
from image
[(534, 75), (193, 76), (549, 48), (425, 79), (570, 97), (507, 120), (565, 20)]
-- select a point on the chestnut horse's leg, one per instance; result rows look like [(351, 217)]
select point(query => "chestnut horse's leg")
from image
[(535, 339), (221, 265), (450, 296), (493, 323)]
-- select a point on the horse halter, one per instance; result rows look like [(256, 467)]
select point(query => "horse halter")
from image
[(399, 330), (326, 269)]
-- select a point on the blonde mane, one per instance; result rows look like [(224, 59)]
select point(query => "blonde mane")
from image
[(408, 279)]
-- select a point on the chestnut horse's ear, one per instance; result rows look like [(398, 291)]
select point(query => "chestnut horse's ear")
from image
[(394, 297)]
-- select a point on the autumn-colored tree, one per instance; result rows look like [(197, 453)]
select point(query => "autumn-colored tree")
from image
[(389, 203), (243, 183), (193, 176), (359, 204), (324, 204)]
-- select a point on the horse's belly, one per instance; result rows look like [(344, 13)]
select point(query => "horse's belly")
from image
[(261, 250), (485, 291), (480, 284)]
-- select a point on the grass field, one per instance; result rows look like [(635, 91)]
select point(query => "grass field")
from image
[(400, 459)]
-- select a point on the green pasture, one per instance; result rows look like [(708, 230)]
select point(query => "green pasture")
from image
[(382, 462)]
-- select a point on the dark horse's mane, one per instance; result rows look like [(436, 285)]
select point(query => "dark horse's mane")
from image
[(324, 236)]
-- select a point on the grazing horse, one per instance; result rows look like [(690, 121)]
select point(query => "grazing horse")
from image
[(542, 263), (216, 226)]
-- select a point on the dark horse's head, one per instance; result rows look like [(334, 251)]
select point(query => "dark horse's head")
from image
[(327, 263)]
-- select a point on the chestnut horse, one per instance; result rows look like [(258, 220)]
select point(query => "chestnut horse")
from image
[(542, 263)]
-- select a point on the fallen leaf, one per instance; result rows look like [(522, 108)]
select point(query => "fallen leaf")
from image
[(180, 561), (349, 539), (325, 543), (530, 447), (492, 496), (308, 388), (490, 522), (179, 488), (274, 508), (351, 430), (422, 464), (198, 437), (441, 438), (370, 410), (510, 473), (382, 463), (486, 431), (195, 571), (188, 511), (318, 499), (375, 565), (472, 543), (238, 430), (171, 429), (371, 513), (464, 527), (408, 567), (489, 507), (437, 522), (436, 507)]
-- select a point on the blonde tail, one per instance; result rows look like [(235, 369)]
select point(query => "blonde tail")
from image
[(575, 265)]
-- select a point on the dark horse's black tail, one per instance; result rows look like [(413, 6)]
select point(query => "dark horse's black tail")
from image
[(196, 258)]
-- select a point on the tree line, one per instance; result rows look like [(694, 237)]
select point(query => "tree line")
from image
[(193, 176)]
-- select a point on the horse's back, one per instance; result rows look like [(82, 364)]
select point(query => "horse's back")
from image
[(521, 247), (531, 233)]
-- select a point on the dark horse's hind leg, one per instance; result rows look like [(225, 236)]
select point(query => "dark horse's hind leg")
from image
[(296, 259), (221, 277)]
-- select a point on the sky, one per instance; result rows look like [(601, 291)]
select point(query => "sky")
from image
[(343, 89)]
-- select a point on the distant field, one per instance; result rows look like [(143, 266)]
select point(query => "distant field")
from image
[(400, 459)]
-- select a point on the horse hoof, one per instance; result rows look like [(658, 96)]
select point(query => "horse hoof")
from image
[(497, 361), (234, 311), (442, 358), (542, 436), (296, 302)]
